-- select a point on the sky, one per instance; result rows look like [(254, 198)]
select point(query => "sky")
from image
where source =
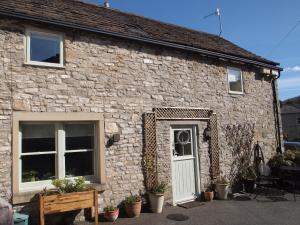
[(256, 25)]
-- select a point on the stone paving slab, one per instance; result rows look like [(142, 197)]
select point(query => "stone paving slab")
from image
[(262, 211)]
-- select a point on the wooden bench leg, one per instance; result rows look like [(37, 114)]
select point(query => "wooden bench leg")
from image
[(96, 208), (42, 216)]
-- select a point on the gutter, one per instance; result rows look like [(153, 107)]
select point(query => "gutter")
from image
[(276, 112), (141, 39)]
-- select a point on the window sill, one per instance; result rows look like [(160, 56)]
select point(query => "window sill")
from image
[(32, 196), (44, 65), (236, 93)]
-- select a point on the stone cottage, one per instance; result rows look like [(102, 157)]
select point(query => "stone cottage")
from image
[(122, 100)]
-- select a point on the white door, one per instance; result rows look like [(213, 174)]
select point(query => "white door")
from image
[(184, 165)]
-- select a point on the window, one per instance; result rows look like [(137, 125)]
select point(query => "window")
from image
[(56, 145), (298, 120), (45, 49), (73, 153), (235, 81), (182, 142)]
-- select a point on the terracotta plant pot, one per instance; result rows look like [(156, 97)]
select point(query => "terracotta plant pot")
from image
[(112, 215), (208, 196), (222, 190), (156, 202), (133, 210)]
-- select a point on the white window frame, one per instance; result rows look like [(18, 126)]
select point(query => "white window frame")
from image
[(59, 152), (48, 34), (228, 82)]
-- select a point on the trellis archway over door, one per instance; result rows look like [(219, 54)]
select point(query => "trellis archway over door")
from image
[(150, 144)]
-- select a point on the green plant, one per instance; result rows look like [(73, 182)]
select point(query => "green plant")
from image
[(30, 175), (133, 199), (249, 173), (287, 158), (159, 188), (109, 208), (68, 186), (208, 187)]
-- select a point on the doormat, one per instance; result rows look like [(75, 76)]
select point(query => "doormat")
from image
[(189, 205), (177, 217)]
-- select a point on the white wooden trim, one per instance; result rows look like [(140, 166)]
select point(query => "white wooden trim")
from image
[(78, 150), (38, 153)]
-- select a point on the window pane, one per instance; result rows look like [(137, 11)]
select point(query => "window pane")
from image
[(235, 80), (44, 48), (38, 167), (79, 164), (188, 149), (79, 136), (38, 137)]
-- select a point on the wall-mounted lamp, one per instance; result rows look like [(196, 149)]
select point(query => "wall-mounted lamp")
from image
[(207, 134), (112, 139)]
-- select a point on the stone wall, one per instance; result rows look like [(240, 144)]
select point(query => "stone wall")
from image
[(123, 80)]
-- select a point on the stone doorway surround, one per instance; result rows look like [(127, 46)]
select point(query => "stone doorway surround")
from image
[(180, 114)]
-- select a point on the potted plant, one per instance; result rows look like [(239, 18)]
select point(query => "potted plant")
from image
[(111, 213), (68, 195), (156, 197), (222, 187), (208, 193), (249, 177), (133, 205)]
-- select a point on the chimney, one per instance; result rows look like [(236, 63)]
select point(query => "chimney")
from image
[(106, 4)]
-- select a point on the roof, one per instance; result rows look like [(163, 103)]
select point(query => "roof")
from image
[(291, 106), (86, 16)]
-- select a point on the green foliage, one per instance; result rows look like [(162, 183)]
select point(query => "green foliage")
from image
[(29, 176), (133, 199), (159, 188), (68, 186), (249, 173), (287, 158), (209, 187), (109, 208)]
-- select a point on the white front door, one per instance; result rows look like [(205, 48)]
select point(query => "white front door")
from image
[(184, 175)]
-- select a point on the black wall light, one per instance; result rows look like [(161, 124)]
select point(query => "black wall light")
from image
[(207, 134)]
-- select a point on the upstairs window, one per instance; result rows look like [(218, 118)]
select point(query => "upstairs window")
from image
[(45, 49), (235, 81)]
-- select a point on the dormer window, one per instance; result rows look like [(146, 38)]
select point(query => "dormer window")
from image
[(44, 49)]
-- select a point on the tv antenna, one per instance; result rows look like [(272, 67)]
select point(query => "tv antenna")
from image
[(218, 14)]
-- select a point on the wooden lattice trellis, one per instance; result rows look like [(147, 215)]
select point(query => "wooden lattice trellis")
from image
[(150, 155)]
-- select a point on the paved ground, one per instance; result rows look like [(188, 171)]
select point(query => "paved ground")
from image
[(262, 211)]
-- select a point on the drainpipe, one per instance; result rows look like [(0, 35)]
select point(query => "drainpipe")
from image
[(276, 112)]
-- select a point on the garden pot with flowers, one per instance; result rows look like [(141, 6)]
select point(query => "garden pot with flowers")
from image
[(208, 193), (156, 197), (111, 213), (133, 205)]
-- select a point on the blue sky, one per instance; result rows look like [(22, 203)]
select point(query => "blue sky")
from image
[(257, 25)]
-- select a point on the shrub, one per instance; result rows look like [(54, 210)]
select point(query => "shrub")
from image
[(159, 188), (133, 199), (109, 208), (68, 186)]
